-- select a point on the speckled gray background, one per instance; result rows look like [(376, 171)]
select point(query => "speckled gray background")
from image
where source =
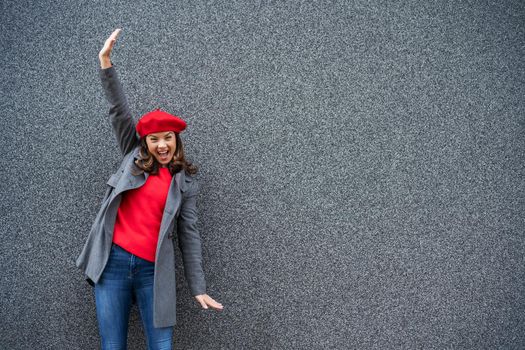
[(361, 168)]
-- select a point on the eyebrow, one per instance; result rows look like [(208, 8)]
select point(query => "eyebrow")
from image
[(169, 133)]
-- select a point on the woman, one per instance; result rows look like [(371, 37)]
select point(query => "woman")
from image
[(129, 253)]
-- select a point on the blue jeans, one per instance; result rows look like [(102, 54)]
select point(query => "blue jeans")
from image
[(127, 277)]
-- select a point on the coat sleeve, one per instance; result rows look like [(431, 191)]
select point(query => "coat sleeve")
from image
[(119, 113), (190, 240)]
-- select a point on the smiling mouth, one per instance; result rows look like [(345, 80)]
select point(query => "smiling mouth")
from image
[(163, 155)]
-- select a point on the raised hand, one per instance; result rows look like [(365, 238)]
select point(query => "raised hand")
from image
[(105, 52)]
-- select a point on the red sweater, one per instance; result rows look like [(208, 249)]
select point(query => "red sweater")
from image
[(140, 214)]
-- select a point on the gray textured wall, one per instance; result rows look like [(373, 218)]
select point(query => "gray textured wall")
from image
[(361, 168)]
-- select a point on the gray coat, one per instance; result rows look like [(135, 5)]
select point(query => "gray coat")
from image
[(179, 217)]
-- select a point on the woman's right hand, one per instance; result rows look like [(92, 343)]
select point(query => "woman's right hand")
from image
[(104, 54)]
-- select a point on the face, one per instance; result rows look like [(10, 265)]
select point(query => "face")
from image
[(162, 146)]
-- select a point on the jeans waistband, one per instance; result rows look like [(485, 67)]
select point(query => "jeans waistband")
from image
[(121, 250)]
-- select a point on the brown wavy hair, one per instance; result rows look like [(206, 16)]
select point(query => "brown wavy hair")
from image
[(147, 162)]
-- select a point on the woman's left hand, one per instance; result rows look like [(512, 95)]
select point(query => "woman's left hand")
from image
[(205, 300)]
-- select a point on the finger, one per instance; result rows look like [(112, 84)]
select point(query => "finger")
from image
[(217, 307), (202, 302), (112, 38), (115, 33), (214, 304)]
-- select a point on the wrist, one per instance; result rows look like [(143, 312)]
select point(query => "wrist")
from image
[(105, 62)]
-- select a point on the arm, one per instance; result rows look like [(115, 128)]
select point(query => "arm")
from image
[(190, 240), (190, 246), (119, 113)]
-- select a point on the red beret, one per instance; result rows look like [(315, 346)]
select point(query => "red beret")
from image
[(157, 121)]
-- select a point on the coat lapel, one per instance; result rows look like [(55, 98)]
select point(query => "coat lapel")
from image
[(172, 204), (134, 181)]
